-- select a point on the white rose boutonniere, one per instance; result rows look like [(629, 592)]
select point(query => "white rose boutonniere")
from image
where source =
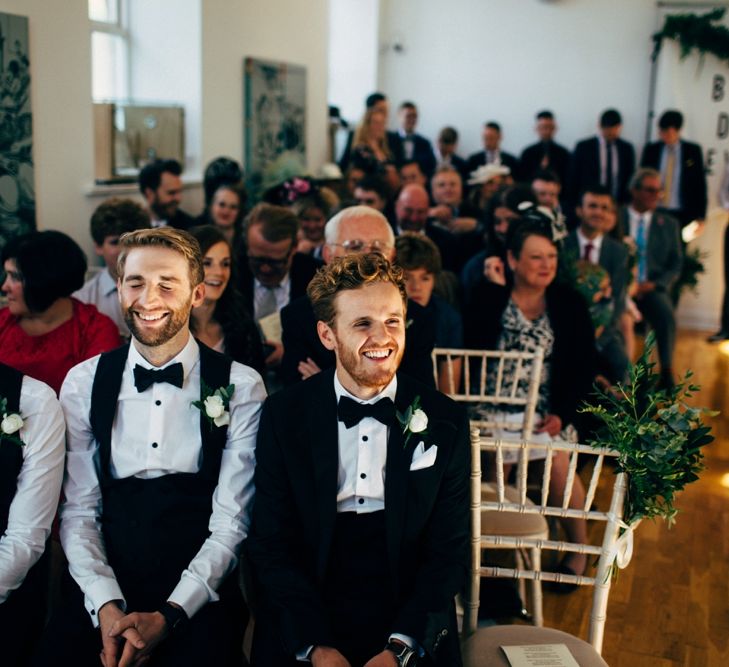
[(215, 404), (413, 420), (11, 423)]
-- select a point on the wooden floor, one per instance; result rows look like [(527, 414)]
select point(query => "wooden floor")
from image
[(670, 606)]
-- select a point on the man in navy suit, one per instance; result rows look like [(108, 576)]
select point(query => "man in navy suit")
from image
[(681, 165), (445, 152), (590, 243), (546, 154), (407, 144), (605, 159), (161, 187), (360, 524), (492, 153)]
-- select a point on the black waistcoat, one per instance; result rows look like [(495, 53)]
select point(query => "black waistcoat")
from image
[(11, 453), (153, 528)]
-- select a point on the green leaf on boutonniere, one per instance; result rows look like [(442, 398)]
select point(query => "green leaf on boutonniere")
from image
[(215, 404), (11, 423)]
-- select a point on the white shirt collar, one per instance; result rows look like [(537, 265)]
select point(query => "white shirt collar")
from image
[(583, 241), (388, 392), (284, 284), (188, 356), (107, 283)]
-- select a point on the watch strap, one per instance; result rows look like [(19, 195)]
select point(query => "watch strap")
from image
[(174, 616)]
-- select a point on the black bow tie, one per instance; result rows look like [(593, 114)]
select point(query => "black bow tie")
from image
[(145, 377), (350, 412)]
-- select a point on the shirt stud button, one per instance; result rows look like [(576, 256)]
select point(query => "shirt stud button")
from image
[(363, 476), (154, 444), (365, 438), (361, 501), (158, 402)]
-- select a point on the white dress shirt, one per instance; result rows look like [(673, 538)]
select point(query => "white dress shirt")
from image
[(39, 484), (100, 290), (362, 457), (281, 292), (582, 241), (157, 432), (634, 218)]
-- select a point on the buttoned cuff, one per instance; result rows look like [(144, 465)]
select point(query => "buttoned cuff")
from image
[(191, 595), (98, 594)]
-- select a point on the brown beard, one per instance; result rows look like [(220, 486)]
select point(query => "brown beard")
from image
[(176, 320)]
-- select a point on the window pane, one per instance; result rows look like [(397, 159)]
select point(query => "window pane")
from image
[(108, 67), (106, 11)]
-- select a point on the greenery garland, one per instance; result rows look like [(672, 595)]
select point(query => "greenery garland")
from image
[(658, 437), (697, 31)]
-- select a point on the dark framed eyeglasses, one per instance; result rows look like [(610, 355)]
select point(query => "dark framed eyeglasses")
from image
[(357, 245)]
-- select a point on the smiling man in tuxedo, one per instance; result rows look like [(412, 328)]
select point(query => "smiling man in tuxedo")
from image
[(360, 524), (157, 483)]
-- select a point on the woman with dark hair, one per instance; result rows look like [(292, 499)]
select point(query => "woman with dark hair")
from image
[(225, 211), (504, 207), (313, 208), (535, 312), (44, 332), (221, 321)]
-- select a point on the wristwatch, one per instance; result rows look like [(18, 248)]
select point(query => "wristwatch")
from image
[(174, 616), (405, 656)]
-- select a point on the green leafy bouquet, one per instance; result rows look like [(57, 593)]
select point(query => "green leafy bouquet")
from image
[(658, 437)]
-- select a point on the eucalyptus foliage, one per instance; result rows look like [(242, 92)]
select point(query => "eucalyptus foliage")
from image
[(658, 436), (702, 32)]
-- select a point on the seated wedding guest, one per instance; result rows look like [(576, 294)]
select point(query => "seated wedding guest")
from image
[(419, 259), (490, 263), (484, 183), (590, 242), (109, 221), (546, 154), (407, 144), (656, 237), (449, 210), (32, 450), (372, 191), (221, 171), (161, 187), (357, 229), (225, 211), (445, 152), (271, 272), (492, 153), (370, 141), (158, 483), (547, 189), (44, 332), (536, 311), (358, 551), (412, 174), (313, 208), (221, 321)]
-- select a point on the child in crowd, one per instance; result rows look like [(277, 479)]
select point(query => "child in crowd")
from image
[(420, 259), (110, 220)]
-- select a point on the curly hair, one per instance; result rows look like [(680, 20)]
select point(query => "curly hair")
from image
[(417, 251), (116, 216), (349, 273)]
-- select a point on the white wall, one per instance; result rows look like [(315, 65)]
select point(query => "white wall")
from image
[(353, 54), (293, 32), (469, 61), (60, 47), (166, 63)]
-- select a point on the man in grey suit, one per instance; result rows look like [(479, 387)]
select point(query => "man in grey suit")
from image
[(589, 242), (658, 245)]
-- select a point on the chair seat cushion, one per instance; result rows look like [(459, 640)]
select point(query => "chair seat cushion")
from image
[(513, 524), (483, 648)]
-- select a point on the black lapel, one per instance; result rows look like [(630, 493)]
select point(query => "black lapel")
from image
[(396, 475), (323, 434)]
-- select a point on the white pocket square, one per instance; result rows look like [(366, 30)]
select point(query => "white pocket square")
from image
[(423, 458)]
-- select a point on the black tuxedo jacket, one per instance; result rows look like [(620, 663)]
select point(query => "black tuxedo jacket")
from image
[(422, 152), (477, 160), (531, 161), (426, 516), (303, 268), (181, 220), (692, 187), (461, 164), (585, 168), (301, 340)]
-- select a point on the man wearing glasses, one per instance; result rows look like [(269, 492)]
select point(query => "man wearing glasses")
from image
[(272, 273), (357, 229)]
